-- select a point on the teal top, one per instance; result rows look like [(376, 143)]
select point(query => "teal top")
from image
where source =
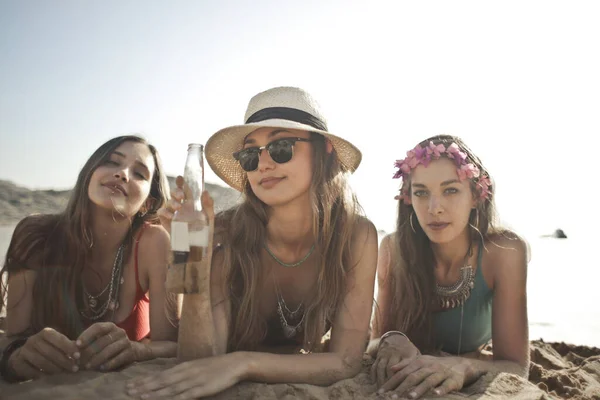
[(476, 319)]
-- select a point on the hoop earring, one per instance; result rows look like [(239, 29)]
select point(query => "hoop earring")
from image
[(477, 218), (411, 223)]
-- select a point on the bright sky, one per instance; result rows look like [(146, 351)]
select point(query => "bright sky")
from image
[(518, 80)]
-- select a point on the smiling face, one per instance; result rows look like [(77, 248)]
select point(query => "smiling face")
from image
[(441, 201), (279, 183), (123, 181)]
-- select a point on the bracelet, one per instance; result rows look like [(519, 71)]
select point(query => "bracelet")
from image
[(5, 371), (388, 334)]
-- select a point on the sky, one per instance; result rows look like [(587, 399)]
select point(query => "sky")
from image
[(517, 80)]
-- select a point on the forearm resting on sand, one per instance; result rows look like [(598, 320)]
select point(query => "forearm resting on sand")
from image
[(480, 367), (148, 349), (317, 369)]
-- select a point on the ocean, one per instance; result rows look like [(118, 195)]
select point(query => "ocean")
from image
[(563, 295)]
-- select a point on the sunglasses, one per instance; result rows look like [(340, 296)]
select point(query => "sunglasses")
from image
[(280, 151)]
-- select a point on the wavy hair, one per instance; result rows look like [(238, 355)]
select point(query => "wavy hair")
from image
[(58, 246), (412, 267), (335, 214)]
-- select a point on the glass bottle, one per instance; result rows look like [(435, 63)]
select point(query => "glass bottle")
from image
[(189, 228), (189, 271)]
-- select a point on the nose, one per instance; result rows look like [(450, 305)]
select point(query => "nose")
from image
[(435, 205), (122, 174), (265, 162)]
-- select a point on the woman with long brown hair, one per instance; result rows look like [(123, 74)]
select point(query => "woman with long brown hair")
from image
[(449, 279), (296, 257), (79, 282)]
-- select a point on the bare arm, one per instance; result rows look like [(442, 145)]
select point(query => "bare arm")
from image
[(384, 294), (207, 376), (508, 258), (19, 304), (510, 334), (154, 257), (349, 329), (45, 352)]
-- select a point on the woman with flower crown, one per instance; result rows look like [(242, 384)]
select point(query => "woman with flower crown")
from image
[(449, 279), (294, 259)]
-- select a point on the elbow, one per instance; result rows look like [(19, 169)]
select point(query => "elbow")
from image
[(348, 367)]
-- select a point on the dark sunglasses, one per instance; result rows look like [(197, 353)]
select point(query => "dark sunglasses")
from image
[(280, 150)]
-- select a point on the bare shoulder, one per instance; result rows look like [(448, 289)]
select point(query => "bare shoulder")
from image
[(507, 253), (154, 246), (364, 230)]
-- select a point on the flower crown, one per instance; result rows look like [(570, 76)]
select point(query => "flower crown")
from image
[(424, 155)]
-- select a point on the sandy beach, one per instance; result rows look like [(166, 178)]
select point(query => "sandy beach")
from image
[(557, 370)]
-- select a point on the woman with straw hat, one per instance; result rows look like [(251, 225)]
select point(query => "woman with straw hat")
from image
[(295, 259)]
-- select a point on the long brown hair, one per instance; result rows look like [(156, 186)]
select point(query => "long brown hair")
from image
[(335, 215), (412, 267), (58, 246)]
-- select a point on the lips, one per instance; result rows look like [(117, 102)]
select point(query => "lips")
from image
[(270, 181), (116, 187), (438, 226)]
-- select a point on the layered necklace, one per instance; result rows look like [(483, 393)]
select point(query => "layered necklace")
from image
[(289, 265), (456, 294), (291, 320), (96, 309)]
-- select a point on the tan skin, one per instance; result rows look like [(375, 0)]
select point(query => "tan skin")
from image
[(289, 236), (103, 345), (438, 195)]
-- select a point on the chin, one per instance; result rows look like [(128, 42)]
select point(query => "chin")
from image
[(441, 237)]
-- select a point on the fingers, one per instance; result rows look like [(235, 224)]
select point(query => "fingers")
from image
[(37, 357), (449, 385), (399, 378), (100, 342), (93, 333), (413, 379), (161, 381), (50, 351), (124, 357), (66, 346), (208, 205), (428, 383), (110, 349), (381, 372), (401, 365), (55, 358), (23, 368), (394, 359)]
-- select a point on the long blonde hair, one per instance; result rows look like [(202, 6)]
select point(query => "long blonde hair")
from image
[(412, 267), (335, 216), (58, 246)]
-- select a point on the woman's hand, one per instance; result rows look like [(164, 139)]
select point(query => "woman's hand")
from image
[(46, 352), (422, 374), (192, 379), (167, 212), (391, 351), (106, 346)]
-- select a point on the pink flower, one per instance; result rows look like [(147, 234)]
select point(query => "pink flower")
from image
[(485, 183), (467, 171), (434, 150), (404, 196), (454, 153)]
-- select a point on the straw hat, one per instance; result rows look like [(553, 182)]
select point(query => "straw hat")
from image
[(280, 107)]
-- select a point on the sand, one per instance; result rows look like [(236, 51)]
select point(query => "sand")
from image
[(557, 370)]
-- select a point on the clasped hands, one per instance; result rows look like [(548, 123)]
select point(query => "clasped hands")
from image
[(400, 367), (103, 346)]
